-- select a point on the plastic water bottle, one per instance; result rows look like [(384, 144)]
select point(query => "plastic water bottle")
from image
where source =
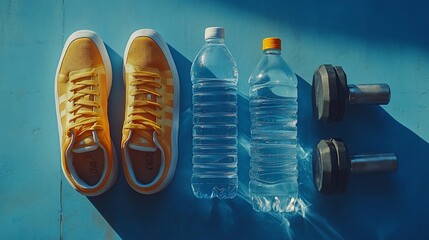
[(214, 88), (273, 106)]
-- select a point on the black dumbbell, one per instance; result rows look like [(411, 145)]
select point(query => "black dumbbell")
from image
[(330, 93), (332, 165)]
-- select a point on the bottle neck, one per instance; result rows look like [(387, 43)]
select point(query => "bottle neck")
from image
[(272, 51), (215, 40)]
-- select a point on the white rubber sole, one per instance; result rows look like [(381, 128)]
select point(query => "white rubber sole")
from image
[(176, 110), (108, 68)]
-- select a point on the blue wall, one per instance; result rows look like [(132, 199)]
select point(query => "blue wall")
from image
[(374, 40)]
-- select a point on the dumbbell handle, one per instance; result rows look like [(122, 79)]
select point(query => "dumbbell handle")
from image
[(374, 163), (376, 94)]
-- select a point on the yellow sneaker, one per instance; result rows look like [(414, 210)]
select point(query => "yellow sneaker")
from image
[(82, 86), (149, 135)]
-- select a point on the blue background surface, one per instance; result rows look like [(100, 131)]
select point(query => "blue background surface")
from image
[(374, 40)]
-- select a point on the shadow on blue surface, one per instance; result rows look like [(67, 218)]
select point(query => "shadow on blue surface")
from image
[(374, 203)]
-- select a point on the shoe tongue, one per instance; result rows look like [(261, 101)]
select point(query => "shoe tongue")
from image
[(85, 143), (142, 141)]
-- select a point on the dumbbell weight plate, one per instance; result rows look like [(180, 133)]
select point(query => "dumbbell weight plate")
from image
[(325, 167), (344, 165), (325, 93), (343, 92)]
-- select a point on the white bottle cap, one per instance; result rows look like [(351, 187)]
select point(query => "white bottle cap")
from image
[(214, 32)]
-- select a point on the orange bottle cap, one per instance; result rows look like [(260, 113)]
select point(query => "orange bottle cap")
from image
[(271, 43)]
